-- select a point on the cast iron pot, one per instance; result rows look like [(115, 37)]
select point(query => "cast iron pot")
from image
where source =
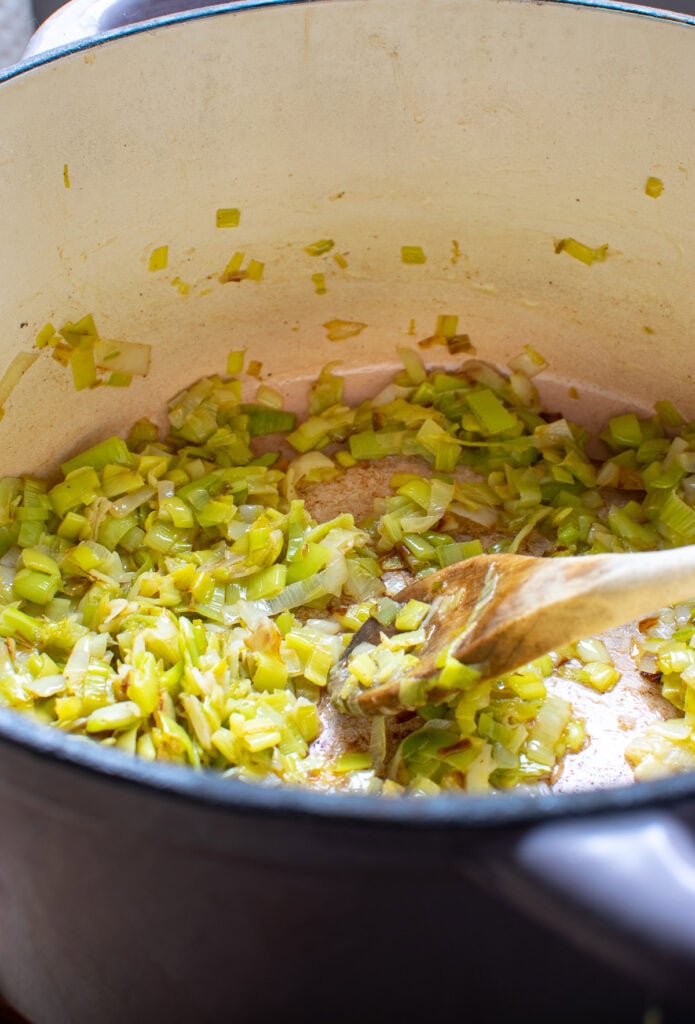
[(484, 132)]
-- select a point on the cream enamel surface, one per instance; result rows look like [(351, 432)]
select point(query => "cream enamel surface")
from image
[(505, 126)]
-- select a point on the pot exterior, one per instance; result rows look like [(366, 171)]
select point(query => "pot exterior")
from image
[(120, 905)]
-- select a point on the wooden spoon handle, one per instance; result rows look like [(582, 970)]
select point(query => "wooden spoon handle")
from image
[(499, 612), (602, 591), (553, 602)]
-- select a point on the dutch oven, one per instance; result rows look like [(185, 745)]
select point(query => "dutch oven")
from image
[(133, 892)]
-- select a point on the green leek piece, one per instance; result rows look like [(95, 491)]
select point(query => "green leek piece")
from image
[(575, 735), (15, 623), (592, 650), (527, 684), (376, 445), (284, 622), (433, 438), (111, 451), (227, 218), (455, 675), (326, 391), (264, 420), (529, 362), (449, 554), (119, 380), (459, 343), (412, 254), (232, 270), (679, 518), (668, 414), (413, 365), (84, 373), (266, 583), (642, 537), (411, 615), (34, 512), (354, 761), (490, 412), (124, 358), (580, 251), (32, 558), (37, 587), (10, 496), (319, 248), (421, 549), (162, 538), (177, 511), (114, 717), (268, 397), (235, 361), (254, 272), (309, 560), (81, 333), (9, 536), (598, 675), (86, 556), (446, 326), (270, 673), (80, 487), (142, 432), (46, 336), (119, 480), (144, 684), (551, 721), (318, 666), (625, 431), (159, 258), (307, 719), (341, 330)]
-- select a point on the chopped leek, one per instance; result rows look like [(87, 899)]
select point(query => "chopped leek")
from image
[(580, 251), (412, 254), (319, 248), (254, 270), (173, 597), (233, 268), (319, 282), (123, 356), (341, 330), (235, 362), (227, 218), (159, 258), (13, 374), (92, 360)]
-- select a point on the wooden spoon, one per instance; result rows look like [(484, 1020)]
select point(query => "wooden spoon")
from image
[(498, 612)]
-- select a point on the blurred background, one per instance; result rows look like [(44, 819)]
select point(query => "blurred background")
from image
[(19, 18), (43, 8)]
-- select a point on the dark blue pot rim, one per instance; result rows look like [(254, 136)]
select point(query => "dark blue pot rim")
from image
[(450, 811)]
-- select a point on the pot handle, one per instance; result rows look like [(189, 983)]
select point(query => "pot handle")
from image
[(621, 886)]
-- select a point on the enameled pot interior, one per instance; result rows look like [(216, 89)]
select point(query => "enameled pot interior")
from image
[(485, 133)]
